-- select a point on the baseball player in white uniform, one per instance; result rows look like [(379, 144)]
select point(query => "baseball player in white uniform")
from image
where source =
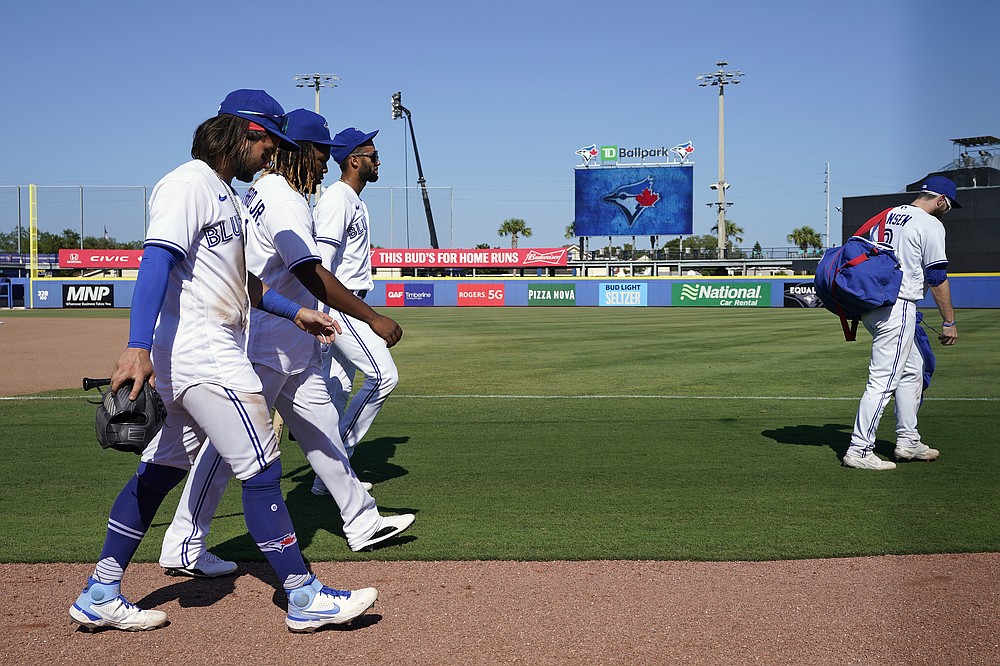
[(281, 251), (342, 230), (189, 322), (896, 370)]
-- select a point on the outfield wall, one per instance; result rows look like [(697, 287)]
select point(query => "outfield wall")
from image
[(981, 290)]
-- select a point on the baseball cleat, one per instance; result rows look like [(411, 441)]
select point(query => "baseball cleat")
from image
[(388, 528), (206, 566), (314, 605), (919, 451), (102, 605), (319, 488), (870, 461)]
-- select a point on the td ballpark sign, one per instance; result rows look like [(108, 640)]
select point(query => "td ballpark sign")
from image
[(730, 294)]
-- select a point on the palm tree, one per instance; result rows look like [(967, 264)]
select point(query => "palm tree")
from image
[(805, 237), (733, 233), (571, 229), (514, 227)]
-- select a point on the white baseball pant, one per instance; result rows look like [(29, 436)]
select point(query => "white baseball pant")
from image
[(895, 370), (304, 402), (239, 421), (358, 348)]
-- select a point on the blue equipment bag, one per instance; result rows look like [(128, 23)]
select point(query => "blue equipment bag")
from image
[(859, 276)]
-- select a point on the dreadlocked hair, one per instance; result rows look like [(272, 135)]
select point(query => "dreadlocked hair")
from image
[(297, 167), (219, 140)]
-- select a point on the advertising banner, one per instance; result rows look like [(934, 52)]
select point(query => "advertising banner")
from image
[(726, 294), (99, 258), (474, 258), (622, 294), (481, 294), (88, 295), (634, 200), (801, 295), (409, 295), (548, 294)]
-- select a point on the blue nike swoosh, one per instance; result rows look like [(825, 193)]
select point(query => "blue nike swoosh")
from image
[(223, 197)]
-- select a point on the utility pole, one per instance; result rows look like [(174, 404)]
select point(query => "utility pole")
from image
[(827, 188), (721, 78), (397, 112)]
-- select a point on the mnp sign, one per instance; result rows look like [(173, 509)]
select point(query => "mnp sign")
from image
[(88, 295), (634, 200)]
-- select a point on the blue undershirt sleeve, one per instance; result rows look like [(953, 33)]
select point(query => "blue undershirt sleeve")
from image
[(150, 289), (936, 275), (276, 304)]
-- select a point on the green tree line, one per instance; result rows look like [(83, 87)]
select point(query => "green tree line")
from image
[(50, 243)]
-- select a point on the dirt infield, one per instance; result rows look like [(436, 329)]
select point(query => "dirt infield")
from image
[(936, 609)]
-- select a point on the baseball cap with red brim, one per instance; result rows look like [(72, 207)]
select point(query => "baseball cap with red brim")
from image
[(261, 110)]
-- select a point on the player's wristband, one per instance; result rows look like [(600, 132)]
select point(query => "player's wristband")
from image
[(277, 304), (947, 324)]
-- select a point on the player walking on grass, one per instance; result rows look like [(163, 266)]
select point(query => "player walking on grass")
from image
[(281, 250), (896, 370), (188, 334), (342, 230)]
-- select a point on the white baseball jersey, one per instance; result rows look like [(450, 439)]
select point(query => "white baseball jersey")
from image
[(343, 234), (279, 238), (918, 239), (201, 332)]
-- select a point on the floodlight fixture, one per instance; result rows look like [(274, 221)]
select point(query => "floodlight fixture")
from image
[(316, 81), (397, 112), (721, 78)]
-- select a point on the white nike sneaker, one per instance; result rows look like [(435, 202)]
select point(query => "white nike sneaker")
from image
[(102, 605), (314, 605), (918, 451), (388, 528), (870, 461)]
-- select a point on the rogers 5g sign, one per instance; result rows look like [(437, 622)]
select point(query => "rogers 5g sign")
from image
[(481, 294)]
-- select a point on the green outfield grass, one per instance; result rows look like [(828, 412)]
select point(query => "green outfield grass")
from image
[(588, 433)]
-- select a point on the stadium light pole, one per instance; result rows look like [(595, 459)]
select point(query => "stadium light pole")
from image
[(397, 112), (721, 78), (316, 81)]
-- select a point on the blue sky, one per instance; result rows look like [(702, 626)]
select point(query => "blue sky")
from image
[(503, 94)]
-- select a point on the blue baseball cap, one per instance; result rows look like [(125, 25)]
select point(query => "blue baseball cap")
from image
[(260, 108), (347, 140), (940, 185), (304, 125)]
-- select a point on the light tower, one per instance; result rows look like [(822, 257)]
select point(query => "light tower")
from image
[(721, 78), (316, 81), (397, 112)]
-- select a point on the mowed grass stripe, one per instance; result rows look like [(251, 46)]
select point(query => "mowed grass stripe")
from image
[(746, 476)]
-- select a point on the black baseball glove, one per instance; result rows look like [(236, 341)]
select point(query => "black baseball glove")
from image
[(123, 424)]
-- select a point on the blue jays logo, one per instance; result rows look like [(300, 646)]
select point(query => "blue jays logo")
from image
[(683, 150), (634, 198), (588, 153), (278, 545)]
